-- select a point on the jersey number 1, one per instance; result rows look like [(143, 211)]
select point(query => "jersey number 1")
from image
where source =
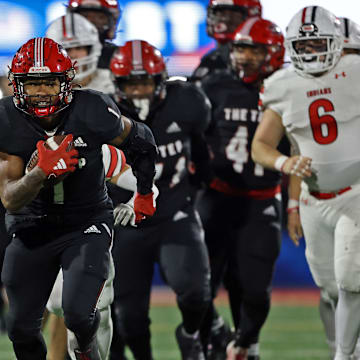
[(324, 127)]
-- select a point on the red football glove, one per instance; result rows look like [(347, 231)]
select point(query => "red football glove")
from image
[(57, 162), (144, 206)]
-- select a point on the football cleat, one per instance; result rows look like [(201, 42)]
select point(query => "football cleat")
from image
[(190, 347), (220, 338)]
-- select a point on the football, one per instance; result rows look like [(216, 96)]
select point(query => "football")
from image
[(52, 143)]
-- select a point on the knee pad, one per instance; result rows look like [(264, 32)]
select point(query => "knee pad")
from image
[(347, 254), (195, 293), (82, 324)]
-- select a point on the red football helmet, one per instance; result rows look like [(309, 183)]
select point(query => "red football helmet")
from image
[(224, 16), (138, 59), (41, 58), (254, 32), (110, 8)]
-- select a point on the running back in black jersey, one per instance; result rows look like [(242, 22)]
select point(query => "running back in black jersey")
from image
[(211, 62), (93, 119), (183, 113), (235, 117)]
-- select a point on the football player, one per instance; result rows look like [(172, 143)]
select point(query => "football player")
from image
[(67, 225), (351, 45), (223, 17), (119, 174), (241, 209), (105, 15), (177, 112), (315, 100), (351, 35), (80, 39), (5, 90)]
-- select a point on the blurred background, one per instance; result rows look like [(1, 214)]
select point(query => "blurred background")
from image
[(177, 28)]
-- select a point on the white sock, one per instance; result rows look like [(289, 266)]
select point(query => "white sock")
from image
[(254, 350)]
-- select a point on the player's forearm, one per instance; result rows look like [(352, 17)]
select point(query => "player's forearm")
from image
[(294, 188), (264, 154), (17, 194)]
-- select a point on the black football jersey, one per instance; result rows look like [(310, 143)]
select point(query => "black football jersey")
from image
[(93, 119), (235, 117), (211, 62), (107, 52), (184, 112)]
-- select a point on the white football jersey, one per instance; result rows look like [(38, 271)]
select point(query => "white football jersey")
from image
[(101, 82), (322, 117)]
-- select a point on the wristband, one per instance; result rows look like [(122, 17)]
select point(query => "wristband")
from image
[(292, 210), (292, 203), (293, 206), (279, 162)]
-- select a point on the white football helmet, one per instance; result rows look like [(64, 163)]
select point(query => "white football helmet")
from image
[(73, 30), (314, 23), (351, 33)]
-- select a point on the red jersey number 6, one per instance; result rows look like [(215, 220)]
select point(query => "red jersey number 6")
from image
[(324, 127)]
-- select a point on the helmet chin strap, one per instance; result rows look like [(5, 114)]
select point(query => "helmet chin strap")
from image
[(143, 106)]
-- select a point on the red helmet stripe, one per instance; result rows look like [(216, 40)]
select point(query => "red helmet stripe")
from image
[(63, 21), (137, 60), (303, 15), (68, 24), (309, 16)]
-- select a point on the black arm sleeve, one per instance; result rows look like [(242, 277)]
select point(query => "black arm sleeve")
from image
[(201, 157), (141, 151)]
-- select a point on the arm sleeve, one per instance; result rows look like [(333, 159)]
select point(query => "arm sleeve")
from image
[(113, 159), (199, 150)]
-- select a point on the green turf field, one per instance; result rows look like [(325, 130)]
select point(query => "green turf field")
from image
[(291, 332)]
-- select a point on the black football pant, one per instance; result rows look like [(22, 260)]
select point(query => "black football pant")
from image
[(4, 242), (29, 272), (179, 248), (243, 237)]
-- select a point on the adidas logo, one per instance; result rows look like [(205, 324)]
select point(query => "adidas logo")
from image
[(61, 165), (180, 215), (270, 211), (79, 142), (173, 128), (92, 229)]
